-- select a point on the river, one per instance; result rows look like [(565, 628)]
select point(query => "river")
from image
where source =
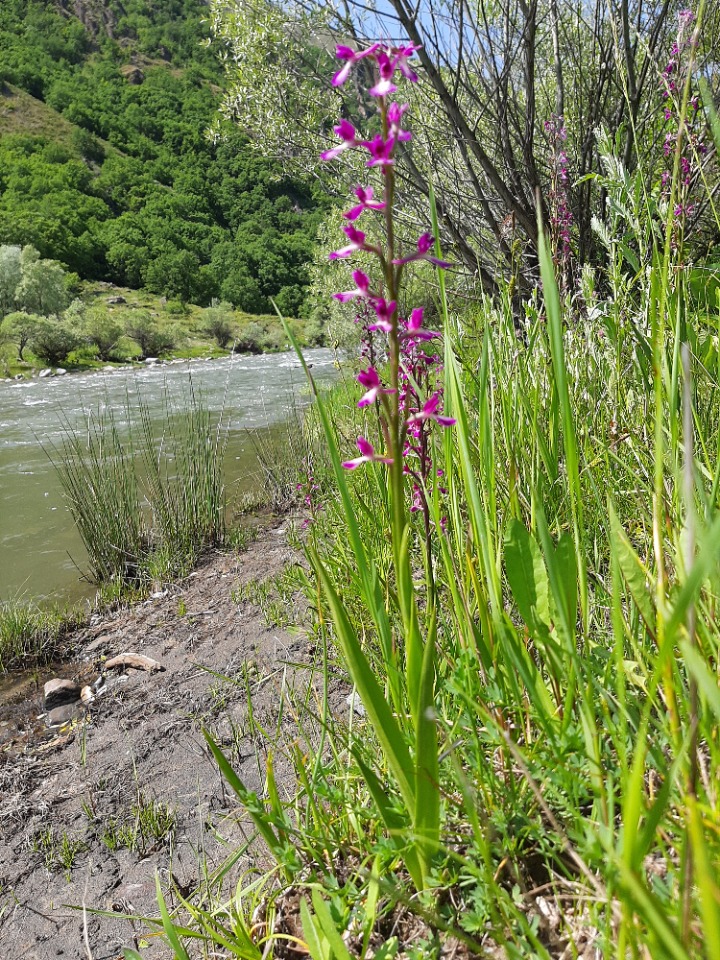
[(41, 554)]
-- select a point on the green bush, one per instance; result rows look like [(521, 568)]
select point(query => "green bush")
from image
[(53, 340), (103, 331), (152, 339)]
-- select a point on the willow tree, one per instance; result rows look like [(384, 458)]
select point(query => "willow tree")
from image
[(504, 81)]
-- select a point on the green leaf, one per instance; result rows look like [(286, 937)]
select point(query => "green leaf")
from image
[(248, 798), (373, 699), (129, 954), (705, 873), (427, 774), (388, 951), (706, 680), (526, 575), (168, 927), (634, 572), (327, 924), (318, 950), (396, 824)]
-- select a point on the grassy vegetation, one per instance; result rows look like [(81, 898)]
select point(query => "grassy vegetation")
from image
[(29, 634), (146, 504)]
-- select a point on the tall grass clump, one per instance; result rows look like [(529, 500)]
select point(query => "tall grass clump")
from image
[(30, 634), (146, 499), (522, 588)]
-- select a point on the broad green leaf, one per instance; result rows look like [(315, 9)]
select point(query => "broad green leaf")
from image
[(388, 951), (249, 799), (427, 774), (378, 710), (706, 877), (526, 575), (706, 680), (397, 825)]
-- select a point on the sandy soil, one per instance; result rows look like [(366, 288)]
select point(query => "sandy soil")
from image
[(143, 739)]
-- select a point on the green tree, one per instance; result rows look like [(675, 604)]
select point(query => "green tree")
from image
[(10, 276), (19, 328), (104, 331), (152, 339), (42, 288), (52, 340), (218, 322)]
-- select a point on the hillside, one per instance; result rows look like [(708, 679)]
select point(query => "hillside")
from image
[(105, 164)]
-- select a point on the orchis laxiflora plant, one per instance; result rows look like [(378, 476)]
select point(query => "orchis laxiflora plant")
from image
[(406, 415), (408, 402)]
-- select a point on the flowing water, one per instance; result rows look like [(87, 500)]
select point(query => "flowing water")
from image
[(41, 555)]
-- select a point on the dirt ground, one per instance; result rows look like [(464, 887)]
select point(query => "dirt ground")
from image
[(82, 807)]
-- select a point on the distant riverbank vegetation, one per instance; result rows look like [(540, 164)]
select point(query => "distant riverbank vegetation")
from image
[(49, 319)]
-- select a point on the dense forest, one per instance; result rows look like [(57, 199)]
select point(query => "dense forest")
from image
[(106, 165)]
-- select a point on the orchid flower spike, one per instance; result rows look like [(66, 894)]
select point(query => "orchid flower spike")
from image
[(429, 412), (424, 246), (368, 455), (414, 327), (351, 57), (365, 196), (362, 288), (373, 386)]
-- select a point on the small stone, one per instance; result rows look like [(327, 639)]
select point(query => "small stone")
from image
[(151, 361), (355, 703), (59, 716), (60, 371), (59, 693), (134, 661), (47, 372), (87, 695), (116, 300)]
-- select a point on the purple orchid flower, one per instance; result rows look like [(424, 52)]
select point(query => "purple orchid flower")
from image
[(368, 455), (347, 133), (351, 57), (401, 55), (384, 312), (357, 242), (429, 412), (381, 151), (362, 288), (365, 196), (424, 245), (373, 386), (414, 327), (394, 115), (385, 85)]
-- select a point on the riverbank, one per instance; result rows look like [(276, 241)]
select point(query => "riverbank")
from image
[(92, 810), (187, 332)]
